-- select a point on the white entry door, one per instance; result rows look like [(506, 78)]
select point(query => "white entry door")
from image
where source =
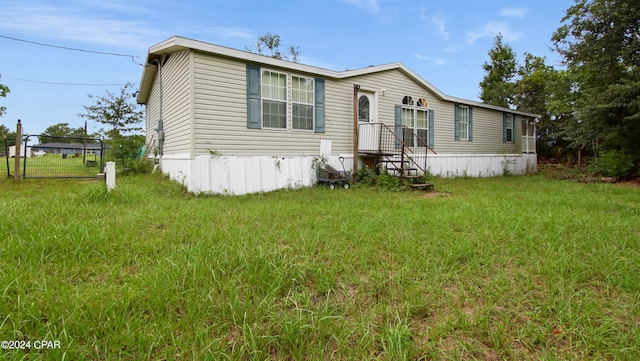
[(367, 115)]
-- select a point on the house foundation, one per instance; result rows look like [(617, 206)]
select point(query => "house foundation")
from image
[(237, 175)]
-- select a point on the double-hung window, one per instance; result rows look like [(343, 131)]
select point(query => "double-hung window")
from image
[(463, 118), (508, 133), (463, 122), (302, 98), (274, 100), (422, 126), (409, 121), (277, 100)]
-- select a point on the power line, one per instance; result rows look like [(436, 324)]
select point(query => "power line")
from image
[(133, 57), (56, 83)]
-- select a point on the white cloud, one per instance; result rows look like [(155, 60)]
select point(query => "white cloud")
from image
[(235, 33), (369, 5), (456, 48), (514, 12), (432, 60), (58, 22), (440, 22), (491, 29)]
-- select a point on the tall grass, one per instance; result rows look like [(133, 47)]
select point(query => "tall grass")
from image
[(521, 268)]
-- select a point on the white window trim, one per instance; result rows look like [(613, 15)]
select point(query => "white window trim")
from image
[(415, 109), (289, 102), (465, 122), (286, 101), (312, 104), (511, 118)]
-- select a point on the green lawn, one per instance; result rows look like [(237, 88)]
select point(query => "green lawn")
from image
[(516, 268)]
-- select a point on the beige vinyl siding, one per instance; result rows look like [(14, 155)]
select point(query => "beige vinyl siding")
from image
[(339, 115), (176, 104), (220, 111), (396, 86), (152, 110), (487, 123)]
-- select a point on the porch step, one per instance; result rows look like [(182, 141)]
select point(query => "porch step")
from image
[(425, 187), (409, 176), (377, 153), (402, 170)]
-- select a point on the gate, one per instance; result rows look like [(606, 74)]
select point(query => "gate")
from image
[(61, 157)]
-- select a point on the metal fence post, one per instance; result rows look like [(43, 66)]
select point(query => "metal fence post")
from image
[(6, 155), (16, 167)]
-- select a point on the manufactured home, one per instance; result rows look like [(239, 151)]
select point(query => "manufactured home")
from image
[(228, 121)]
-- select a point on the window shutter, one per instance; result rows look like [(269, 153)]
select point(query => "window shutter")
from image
[(430, 125), (456, 122), (398, 127), (470, 124), (504, 127), (254, 109), (319, 106)]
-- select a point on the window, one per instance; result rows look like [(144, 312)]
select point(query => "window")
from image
[(302, 98), (278, 100), (463, 122), (364, 109), (508, 135), (408, 120), (422, 126), (274, 100), (418, 122)]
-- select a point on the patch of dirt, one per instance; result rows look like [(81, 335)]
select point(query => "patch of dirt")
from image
[(580, 174), (435, 194)]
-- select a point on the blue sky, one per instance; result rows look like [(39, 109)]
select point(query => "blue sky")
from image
[(445, 42)]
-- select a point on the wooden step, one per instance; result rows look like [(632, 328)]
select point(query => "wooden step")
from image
[(401, 169), (393, 161), (425, 186), (409, 176), (378, 153)]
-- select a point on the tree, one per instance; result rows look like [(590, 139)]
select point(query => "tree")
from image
[(569, 132), (537, 85), (54, 132), (11, 137), (4, 90), (271, 43), (116, 111), (601, 48), (497, 85)]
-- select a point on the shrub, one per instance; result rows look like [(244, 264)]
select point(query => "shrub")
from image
[(387, 181), (366, 175), (137, 166), (613, 163)]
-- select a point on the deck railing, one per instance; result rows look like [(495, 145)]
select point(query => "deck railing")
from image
[(397, 144)]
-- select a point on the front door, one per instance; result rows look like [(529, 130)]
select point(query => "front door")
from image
[(367, 115)]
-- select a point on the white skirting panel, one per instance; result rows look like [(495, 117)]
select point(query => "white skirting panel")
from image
[(241, 175), (481, 165)]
